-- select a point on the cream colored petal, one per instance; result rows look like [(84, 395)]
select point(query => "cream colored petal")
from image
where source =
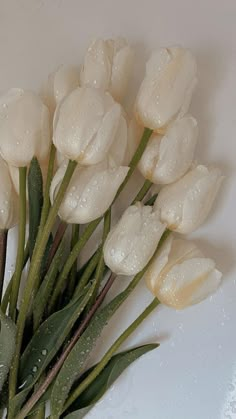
[(183, 281), (121, 72), (78, 120), (97, 149), (96, 71), (24, 127), (199, 199), (168, 158), (66, 79), (166, 87), (117, 151), (91, 192), (133, 241)]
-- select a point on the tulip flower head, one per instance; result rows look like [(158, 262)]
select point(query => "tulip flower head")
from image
[(167, 88), (168, 157), (180, 275), (24, 128), (90, 192), (59, 84), (107, 66), (85, 125), (133, 241), (8, 199), (185, 204)]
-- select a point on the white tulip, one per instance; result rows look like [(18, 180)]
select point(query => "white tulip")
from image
[(108, 65), (24, 128), (90, 192), (8, 199), (185, 204), (133, 241), (59, 84), (85, 125), (180, 275), (167, 88), (167, 158)]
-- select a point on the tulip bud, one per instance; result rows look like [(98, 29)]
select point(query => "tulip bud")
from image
[(59, 84), (185, 204), (133, 241), (108, 66), (167, 158), (90, 192), (180, 275), (167, 88), (85, 125), (24, 128), (8, 199)]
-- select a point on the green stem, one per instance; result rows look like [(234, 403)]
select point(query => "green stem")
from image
[(7, 293), (71, 260), (21, 244), (33, 276), (136, 158), (101, 265), (74, 240), (151, 200), (3, 252), (93, 225), (128, 290), (46, 199), (108, 355), (87, 272), (143, 191)]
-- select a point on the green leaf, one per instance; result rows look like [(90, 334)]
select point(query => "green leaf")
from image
[(78, 356), (108, 376), (79, 414), (7, 345), (45, 344), (35, 193), (46, 286), (46, 256)]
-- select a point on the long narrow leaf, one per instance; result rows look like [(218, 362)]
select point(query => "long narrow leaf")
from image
[(46, 286), (108, 376), (45, 344), (79, 355), (7, 346)]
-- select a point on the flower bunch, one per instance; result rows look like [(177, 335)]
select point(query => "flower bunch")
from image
[(66, 156)]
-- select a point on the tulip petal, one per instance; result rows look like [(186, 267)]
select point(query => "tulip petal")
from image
[(133, 241)]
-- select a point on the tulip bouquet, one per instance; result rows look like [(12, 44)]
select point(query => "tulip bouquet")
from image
[(66, 155)]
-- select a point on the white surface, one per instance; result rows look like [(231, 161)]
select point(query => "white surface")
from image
[(193, 374)]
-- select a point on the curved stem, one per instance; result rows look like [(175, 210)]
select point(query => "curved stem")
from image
[(33, 276), (101, 265), (106, 358), (136, 158), (3, 252), (46, 200), (52, 374), (143, 191), (21, 244), (87, 272)]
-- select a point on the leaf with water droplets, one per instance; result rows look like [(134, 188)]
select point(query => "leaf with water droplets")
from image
[(35, 193), (45, 343), (78, 356), (7, 345), (105, 379), (47, 284)]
